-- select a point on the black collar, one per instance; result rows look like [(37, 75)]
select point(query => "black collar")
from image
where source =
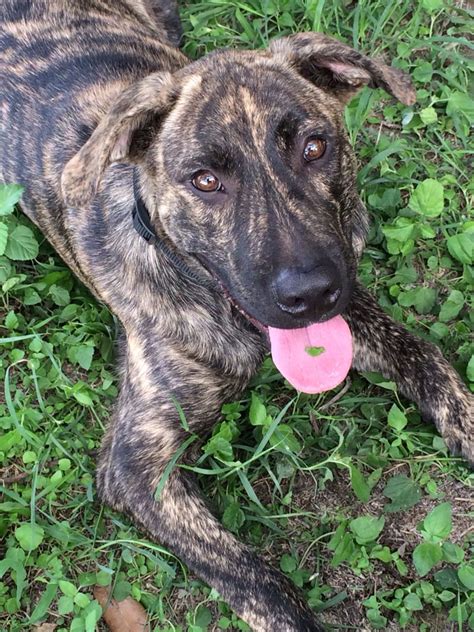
[(141, 223)]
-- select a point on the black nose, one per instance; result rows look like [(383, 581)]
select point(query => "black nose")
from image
[(308, 294)]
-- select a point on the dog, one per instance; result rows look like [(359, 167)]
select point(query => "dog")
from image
[(210, 205)]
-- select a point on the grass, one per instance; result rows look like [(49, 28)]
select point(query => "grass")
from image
[(349, 493)]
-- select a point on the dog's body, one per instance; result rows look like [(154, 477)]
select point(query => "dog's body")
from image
[(103, 83)]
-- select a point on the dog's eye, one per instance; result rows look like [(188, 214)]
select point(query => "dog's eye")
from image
[(314, 149), (206, 181)]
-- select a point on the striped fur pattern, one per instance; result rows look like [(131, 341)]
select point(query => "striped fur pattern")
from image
[(95, 90)]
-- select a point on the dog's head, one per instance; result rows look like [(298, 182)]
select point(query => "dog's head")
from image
[(248, 169)]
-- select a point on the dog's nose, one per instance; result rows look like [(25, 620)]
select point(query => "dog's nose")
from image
[(308, 294)]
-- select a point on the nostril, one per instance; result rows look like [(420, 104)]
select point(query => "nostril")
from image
[(296, 301), (293, 305), (331, 295)]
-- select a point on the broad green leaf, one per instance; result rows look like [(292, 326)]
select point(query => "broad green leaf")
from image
[(77, 624), (428, 198), (233, 517), (397, 418), (396, 247), (337, 537), (11, 320), (344, 550), (285, 439), (288, 563), (122, 590), (69, 312), (359, 485), (3, 237), (367, 528), (446, 595), (466, 576), (202, 617), (83, 398), (83, 356), (378, 621), (10, 195), (452, 306), (448, 578), (82, 600), (390, 199), (460, 103), (92, 615), (9, 439), (258, 412), (29, 456), (67, 588), (428, 115), (461, 246), (425, 298), (59, 295), (453, 553), (432, 5), (31, 297), (439, 330), (402, 491), (220, 448), (423, 72), (470, 369), (35, 345), (22, 244), (412, 602), (427, 231), (65, 605), (381, 553), (438, 523), (458, 613), (379, 380), (402, 229), (425, 556), (29, 536)]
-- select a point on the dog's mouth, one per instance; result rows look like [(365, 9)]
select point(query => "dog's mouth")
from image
[(313, 358), (263, 329)]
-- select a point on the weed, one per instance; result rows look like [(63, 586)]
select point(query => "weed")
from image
[(353, 496)]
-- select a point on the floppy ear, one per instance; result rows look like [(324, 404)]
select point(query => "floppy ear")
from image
[(138, 109), (329, 64)]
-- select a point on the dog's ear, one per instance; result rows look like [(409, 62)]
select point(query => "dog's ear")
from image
[(329, 64), (121, 135)]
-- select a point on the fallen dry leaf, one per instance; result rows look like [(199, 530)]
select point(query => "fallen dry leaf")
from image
[(45, 627), (122, 616)]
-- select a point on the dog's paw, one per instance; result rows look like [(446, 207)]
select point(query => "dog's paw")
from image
[(459, 436), (452, 412)]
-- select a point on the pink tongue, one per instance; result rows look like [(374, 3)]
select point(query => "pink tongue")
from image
[(298, 355)]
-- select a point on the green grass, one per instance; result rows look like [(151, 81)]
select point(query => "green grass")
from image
[(334, 490)]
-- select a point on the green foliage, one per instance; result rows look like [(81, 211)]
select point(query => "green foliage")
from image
[(428, 198), (29, 536), (275, 464), (17, 241)]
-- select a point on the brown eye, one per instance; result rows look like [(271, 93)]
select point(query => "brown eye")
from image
[(314, 149), (206, 181)]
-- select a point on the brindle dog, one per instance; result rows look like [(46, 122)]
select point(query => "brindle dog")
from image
[(242, 164)]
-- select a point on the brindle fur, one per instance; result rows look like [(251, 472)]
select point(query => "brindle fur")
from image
[(93, 89)]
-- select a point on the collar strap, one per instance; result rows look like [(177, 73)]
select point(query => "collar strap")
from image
[(142, 224)]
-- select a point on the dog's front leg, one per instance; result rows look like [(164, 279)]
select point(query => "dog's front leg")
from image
[(417, 367), (134, 476)]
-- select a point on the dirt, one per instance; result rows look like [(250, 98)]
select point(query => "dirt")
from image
[(399, 533)]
